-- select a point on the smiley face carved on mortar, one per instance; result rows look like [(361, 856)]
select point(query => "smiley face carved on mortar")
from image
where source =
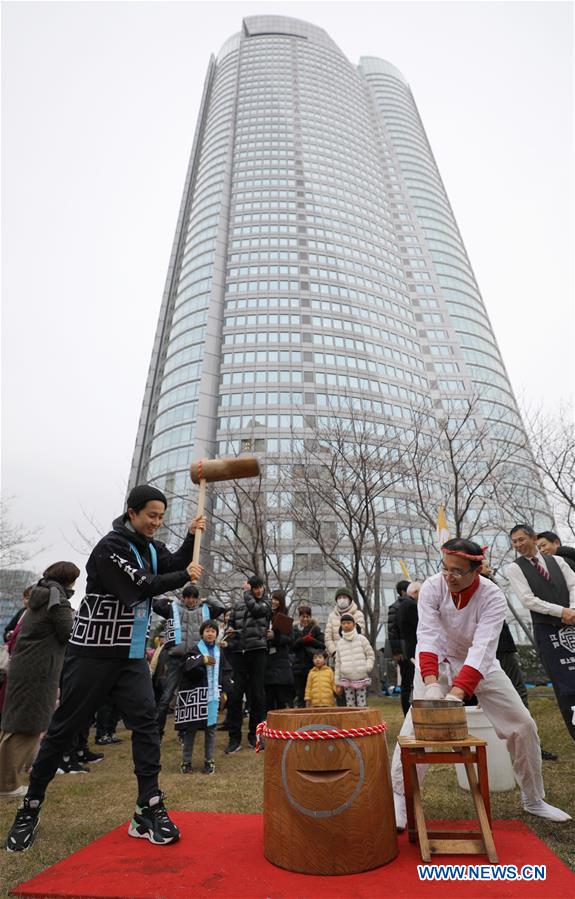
[(322, 778)]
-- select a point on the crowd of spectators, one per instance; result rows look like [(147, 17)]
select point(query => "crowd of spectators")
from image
[(245, 660)]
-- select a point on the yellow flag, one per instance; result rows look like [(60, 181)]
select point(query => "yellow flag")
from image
[(442, 526), (403, 567)]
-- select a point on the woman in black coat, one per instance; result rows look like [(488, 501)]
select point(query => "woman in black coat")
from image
[(307, 638), (35, 669), (279, 682)]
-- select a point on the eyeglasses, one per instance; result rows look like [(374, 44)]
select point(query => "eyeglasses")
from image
[(456, 575)]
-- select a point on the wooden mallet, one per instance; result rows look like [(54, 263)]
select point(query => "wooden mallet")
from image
[(219, 470)]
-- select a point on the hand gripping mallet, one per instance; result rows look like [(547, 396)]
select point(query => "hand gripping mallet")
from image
[(219, 470)]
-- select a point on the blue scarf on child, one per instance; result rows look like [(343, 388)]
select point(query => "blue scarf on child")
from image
[(213, 673)]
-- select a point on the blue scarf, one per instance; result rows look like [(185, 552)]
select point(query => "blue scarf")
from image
[(142, 610), (177, 622), (213, 672)]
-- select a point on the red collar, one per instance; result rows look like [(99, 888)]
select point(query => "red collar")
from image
[(460, 600)]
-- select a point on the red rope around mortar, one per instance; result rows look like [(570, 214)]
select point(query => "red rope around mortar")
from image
[(262, 730)]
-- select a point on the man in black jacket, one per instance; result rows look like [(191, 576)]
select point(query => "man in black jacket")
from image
[(405, 666), (549, 543), (106, 658), (246, 637)]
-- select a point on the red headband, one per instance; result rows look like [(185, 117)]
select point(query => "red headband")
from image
[(459, 552)]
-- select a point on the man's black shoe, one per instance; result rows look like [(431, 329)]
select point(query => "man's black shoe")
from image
[(252, 741), (71, 765), (233, 747), (23, 830), (85, 757), (548, 756), (152, 822)]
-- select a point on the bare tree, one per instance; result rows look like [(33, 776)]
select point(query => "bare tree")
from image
[(86, 534), (16, 544), (250, 532), (552, 439), (343, 470), (478, 469), (482, 471)]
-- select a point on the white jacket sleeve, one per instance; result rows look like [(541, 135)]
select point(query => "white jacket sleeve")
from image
[(569, 576), (481, 653), (430, 636), (337, 666), (527, 598), (330, 636)]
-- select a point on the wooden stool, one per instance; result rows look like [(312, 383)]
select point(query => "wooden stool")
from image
[(468, 752)]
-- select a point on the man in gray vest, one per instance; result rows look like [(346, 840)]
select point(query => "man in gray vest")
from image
[(546, 586)]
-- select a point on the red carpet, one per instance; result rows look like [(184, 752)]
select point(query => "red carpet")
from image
[(222, 856)]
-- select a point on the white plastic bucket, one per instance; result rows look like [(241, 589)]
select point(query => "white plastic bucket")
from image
[(499, 766)]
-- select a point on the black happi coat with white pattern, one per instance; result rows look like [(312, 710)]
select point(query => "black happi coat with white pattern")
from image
[(120, 586)]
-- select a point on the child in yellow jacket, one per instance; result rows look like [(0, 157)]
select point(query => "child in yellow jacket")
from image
[(320, 686)]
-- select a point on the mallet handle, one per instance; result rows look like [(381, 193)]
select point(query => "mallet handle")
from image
[(198, 534)]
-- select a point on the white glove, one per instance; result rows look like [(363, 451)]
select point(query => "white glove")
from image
[(453, 698), (573, 710), (433, 692)]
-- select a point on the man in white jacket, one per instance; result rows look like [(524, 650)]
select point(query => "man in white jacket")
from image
[(460, 619)]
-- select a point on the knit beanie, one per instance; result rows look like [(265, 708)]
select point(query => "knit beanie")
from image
[(347, 617), (142, 494), (343, 591)]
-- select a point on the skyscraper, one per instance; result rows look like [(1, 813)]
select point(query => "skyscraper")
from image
[(316, 254)]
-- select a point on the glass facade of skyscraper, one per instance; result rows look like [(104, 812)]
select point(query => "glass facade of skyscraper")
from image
[(316, 256)]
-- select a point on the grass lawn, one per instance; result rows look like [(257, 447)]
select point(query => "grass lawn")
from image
[(80, 808)]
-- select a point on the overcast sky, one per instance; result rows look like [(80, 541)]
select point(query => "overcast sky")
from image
[(99, 106)]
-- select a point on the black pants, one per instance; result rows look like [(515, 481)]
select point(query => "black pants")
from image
[(279, 696), (300, 680), (566, 701), (107, 718), (564, 695), (407, 669), (172, 676), (249, 673), (86, 683)]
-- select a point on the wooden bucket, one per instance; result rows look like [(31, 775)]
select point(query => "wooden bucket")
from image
[(437, 720), (328, 804)]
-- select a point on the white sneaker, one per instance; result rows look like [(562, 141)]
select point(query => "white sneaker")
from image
[(400, 811), (19, 791), (544, 810)]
